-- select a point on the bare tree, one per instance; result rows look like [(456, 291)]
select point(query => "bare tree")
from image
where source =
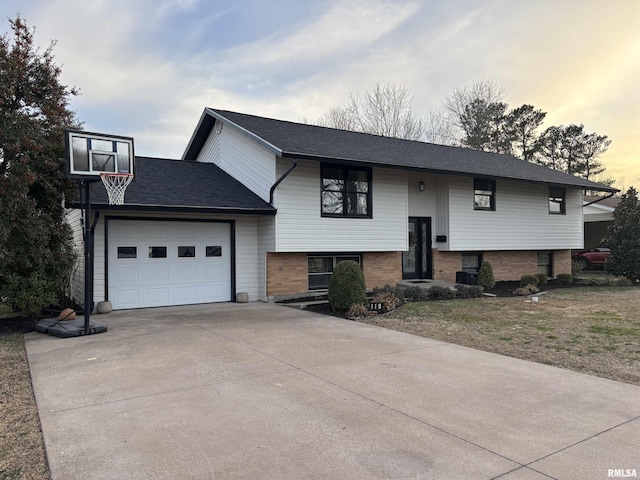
[(385, 110), (482, 89)]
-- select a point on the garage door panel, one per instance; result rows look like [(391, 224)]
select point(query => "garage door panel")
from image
[(124, 232), (128, 275), (127, 298), (158, 296), (159, 276), (157, 232)]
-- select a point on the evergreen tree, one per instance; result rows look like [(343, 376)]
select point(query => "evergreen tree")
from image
[(624, 238), (36, 253), (522, 125)]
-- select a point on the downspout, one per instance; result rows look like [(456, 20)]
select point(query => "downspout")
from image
[(599, 200), (282, 177)]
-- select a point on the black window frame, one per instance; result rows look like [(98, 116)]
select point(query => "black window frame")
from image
[(477, 256), (335, 259), (479, 185), (345, 192), (548, 267), (558, 196)]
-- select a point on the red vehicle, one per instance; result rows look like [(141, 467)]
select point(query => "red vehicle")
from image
[(592, 258)]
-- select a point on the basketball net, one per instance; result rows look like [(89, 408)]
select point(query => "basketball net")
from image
[(116, 184)]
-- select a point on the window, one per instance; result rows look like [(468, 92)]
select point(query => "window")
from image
[(346, 192), (545, 263), (127, 252), (213, 251), (157, 252), (557, 200), (320, 268), (186, 252), (484, 194), (471, 262)]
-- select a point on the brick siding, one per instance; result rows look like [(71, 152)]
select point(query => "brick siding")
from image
[(507, 265), (382, 268), (286, 273)]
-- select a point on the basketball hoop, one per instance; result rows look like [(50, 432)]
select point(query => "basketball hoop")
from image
[(116, 184)]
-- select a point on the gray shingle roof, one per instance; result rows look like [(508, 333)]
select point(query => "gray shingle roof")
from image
[(296, 140), (162, 184)]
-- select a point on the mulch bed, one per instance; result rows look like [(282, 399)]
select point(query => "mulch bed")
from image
[(502, 289)]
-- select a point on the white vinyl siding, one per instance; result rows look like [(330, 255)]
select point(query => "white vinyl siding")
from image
[(521, 220), (441, 224), (421, 204), (243, 159), (210, 152), (247, 261), (266, 243), (74, 219), (300, 227)]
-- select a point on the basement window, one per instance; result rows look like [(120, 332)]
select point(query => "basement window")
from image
[(471, 262), (320, 269)]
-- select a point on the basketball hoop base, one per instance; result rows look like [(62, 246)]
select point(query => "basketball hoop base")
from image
[(116, 185)]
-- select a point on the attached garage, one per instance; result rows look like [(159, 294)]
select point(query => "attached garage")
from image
[(152, 263), (186, 234)]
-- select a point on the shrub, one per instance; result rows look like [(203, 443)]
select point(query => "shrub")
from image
[(397, 291), (528, 280), (29, 294), (346, 286), (357, 310), (485, 276), (606, 282), (416, 294), (542, 278), (389, 301), (575, 269), (564, 279), (469, 291), (441, 293), (528, 289)]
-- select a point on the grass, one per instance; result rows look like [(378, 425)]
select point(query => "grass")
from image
[(22, 454), (594, 330)]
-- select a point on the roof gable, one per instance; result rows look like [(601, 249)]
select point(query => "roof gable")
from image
[(297, 140)]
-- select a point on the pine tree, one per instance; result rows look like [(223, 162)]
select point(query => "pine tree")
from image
[(36, 254)]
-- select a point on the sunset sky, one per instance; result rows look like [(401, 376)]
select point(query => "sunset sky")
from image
[(147, 68)]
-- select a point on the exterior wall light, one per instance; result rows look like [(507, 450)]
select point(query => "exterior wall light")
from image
[(421, 186)]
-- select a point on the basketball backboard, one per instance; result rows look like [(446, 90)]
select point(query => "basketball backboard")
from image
[(90, 154)]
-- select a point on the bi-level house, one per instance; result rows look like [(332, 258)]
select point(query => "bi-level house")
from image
[(269, 207)]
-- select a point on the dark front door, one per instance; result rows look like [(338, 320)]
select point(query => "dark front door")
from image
[(416, 262)]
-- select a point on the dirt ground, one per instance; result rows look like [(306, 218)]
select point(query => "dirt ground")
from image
[(593, 330), (22, 454)]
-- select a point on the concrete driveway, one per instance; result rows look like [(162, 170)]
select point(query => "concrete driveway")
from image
[(259, 391)]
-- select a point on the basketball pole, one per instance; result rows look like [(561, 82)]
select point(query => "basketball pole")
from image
[(88, 271)]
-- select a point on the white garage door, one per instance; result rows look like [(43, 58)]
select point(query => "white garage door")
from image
[(161, 263)]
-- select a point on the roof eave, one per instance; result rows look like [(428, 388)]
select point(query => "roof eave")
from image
[(128, 207), (305, 156)]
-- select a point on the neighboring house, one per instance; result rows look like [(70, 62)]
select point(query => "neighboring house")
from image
[(269, 207), (598, 216)]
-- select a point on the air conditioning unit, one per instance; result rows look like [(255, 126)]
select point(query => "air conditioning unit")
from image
[(467, 278)]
